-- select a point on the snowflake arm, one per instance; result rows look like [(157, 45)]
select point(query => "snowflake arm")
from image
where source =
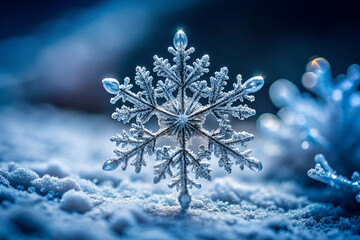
[(223, 149), (142, 146), (217, 85), (241, 112), (239, 92), (324, 173), (143, 110), (144, 80)]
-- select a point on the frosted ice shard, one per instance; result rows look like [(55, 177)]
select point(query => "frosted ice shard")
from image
[(181, 117), (324, 173)]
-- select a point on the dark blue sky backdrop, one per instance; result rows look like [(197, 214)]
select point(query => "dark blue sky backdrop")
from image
[(58, 51)]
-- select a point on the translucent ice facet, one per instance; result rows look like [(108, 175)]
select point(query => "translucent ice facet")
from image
[(180, 40), (184, 200), (111, 164), (111, 85), (253, 84)]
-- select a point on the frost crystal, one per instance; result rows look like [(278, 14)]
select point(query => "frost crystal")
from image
[(181, 117), (327, 121), (324, 173)]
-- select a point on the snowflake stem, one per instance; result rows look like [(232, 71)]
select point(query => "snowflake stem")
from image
[(184, 197)]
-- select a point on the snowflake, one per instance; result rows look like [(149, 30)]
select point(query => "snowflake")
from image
[(327, 121), (324, 173), (181, 117)]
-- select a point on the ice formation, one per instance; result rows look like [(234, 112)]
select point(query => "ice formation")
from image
[(324, 173), (326, 121), (181, 117)]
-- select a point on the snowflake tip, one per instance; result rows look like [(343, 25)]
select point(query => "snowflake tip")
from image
[(110, 164), (184, 200), (180, 40), (256, 166), (253, 84), (320, 159), (111, 85)]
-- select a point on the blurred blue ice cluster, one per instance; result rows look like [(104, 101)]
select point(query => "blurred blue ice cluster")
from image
[(324, 120)]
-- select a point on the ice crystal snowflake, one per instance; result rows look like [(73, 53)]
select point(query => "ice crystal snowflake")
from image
[(181, 117), (327, 121), (324, 173)]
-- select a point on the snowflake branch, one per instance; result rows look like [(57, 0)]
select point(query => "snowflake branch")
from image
[(241, 112), (223, 101), (200, 89), (164, 165), (136, 98), (219, 143), (324, 173), (165, 89), (242, 158), (136, 135), (240, 91), (192, 157), (164, 69), (124, 139), (144, 80), (201, 170), (123, 156), (239, 138), (199, 69)]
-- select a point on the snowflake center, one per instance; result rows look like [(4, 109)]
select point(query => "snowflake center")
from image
[(182, 120)]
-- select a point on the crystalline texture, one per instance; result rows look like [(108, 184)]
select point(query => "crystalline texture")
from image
[(324, 173), (181, 117)]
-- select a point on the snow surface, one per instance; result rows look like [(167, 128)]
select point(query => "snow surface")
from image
[(52, 187)]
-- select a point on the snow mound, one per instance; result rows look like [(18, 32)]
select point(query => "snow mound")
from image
[(76, 201), (54, 185)]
